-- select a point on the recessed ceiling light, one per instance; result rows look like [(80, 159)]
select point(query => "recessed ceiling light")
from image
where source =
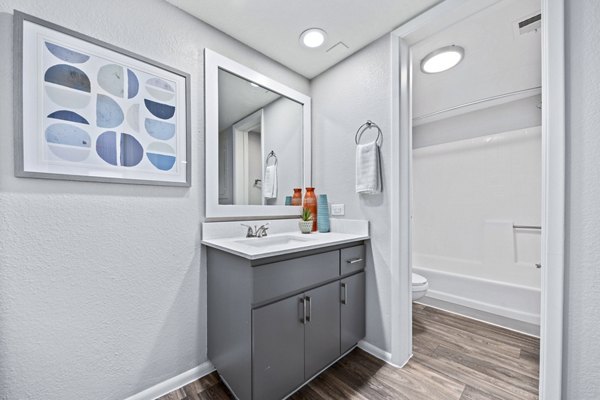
[(313, 37), (442, 59)]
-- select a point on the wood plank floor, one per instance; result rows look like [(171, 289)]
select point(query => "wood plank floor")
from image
[(454, 358)]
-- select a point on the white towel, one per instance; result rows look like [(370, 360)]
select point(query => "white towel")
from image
[(269, 186), (368, 168)]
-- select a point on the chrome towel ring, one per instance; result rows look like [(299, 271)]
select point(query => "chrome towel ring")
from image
[(271, 155), (368, 125)]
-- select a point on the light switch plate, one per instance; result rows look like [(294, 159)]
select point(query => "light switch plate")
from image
[(337, 209)]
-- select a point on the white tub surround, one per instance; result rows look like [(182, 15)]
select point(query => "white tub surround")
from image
[(470, 197), (283, 237)]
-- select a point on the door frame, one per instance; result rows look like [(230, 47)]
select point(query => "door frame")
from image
[(553, 180), (241, 158)]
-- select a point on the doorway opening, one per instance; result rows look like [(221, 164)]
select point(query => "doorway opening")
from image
[(411, 115)]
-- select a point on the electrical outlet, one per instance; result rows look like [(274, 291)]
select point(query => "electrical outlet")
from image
[(337, 209)]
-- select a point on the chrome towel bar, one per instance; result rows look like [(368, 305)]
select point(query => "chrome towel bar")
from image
[(534, 227)]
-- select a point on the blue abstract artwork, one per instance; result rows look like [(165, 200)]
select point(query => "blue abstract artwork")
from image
[(159, 129), (69, 76), (161, 161), (159, 110), (131, 151), (161, 155), (108, 112), (100, 112), (68, 142), (67, 115), (133, 85), (112, 79), (68, 135), (106, 147), (66, 54)]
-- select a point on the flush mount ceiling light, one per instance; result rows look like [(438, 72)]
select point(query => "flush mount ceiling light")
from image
[(313, 37), (442, 59)]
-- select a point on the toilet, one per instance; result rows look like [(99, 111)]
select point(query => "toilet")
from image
[(419, 286)]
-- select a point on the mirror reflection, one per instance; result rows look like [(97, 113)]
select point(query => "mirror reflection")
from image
[(260, 143)]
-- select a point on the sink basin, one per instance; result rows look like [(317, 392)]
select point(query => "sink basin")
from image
[(273, 241)]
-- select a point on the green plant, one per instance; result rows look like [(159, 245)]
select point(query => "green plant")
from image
[(306, 214)]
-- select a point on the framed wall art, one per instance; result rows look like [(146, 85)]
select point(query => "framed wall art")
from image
[(87, 110)]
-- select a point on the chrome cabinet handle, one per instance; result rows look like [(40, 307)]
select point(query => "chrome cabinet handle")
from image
[(303, 317), (344, 289), (354, 260), (309, 302)]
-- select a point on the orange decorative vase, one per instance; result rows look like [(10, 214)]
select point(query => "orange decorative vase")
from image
[(310, 202), (297, 197)]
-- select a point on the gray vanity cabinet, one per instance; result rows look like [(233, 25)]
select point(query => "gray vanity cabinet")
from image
[(294, 339), (274, 323), (278, 336), (352, 313), (322, 328)]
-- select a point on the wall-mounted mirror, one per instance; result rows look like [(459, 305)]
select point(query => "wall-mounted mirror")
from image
[(257, 141)]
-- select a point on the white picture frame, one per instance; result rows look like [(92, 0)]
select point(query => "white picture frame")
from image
[(86, 110)]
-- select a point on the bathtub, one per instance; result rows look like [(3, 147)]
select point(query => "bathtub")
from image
[(504, 299)]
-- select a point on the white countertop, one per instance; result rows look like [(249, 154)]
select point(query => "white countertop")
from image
[(228, 236)]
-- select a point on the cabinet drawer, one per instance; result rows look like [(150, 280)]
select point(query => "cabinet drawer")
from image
[(352, 259), (283, 277)]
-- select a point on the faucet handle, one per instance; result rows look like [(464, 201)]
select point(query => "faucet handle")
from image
[(262, 230), (251, 232)]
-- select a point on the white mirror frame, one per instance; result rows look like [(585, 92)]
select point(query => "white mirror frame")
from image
[(215, 211)]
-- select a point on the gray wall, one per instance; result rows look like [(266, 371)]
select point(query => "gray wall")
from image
[(582, 319), (344, 97), (283, 120), (102, 286)]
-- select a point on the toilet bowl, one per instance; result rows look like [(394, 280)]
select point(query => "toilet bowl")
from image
[(419, 286)]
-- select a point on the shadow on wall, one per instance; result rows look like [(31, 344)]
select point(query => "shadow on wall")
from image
[(184, 298), (370, 205), (382, 276)]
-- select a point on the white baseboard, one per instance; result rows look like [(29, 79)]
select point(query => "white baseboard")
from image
[(174, 383), (379, 353), (486, 307), (483, 316)]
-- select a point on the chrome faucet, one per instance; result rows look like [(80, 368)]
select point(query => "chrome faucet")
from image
[(262, 230), (259, 232)]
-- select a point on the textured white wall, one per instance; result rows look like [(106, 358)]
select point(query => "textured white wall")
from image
[(344, 97), (581, 378), (102, 290)]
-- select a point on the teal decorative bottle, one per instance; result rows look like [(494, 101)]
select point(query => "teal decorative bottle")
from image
[(323, 214)]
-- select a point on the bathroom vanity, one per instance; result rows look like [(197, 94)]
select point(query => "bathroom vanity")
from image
[(281, 308), (278, 317)]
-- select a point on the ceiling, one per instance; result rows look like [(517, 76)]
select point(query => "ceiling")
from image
[(498, 60), (238, 98), (273, 27)]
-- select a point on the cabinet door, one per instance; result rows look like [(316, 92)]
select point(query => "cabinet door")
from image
[(352, 298), (278, 348), (322, 329)]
